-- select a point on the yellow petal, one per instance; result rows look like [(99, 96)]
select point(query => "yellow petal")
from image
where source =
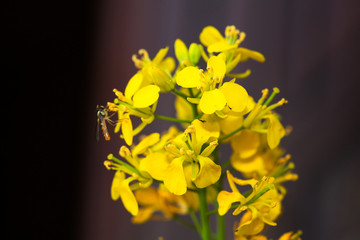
[(210, 35), (145, 143), (286, 236), (146, 96), (127, 129), (133, 85), (252, 54), (232, 180), (211, 101), (160, 55), (143, 215), (175, 180), (128, 198), (115, 186), (231, 123), (209, 172), (205, 130), (120, 188), (225, 199), (236, 96), (220, 47), (275, 131), (245, 143), (183, 109), (189, 77), (250, 225), (147, 196), (248, 166), (156, 165), (168, 64), (217, 64)]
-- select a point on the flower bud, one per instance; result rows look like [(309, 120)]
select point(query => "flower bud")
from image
[(161, 78), (195, 53), (181, 51)]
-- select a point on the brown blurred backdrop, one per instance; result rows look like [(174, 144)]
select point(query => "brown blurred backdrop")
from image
[(64, 58)]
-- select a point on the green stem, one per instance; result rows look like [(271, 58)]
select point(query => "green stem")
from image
[(195, 221), (221, 233), (205, 224), (289, 167), (193, 106), (171, 119), (230, 134), (185, 223), (180, 94)]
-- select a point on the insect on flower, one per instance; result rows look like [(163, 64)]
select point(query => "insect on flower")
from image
[(102, 117)]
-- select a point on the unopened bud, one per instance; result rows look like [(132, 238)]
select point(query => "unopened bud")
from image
[(195, 51), (181, 51)]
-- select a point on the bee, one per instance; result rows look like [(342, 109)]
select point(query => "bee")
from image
[(102, 117)]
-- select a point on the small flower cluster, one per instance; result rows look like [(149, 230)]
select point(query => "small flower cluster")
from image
[(180, 172)]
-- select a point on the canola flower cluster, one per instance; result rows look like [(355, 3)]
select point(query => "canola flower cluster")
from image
[(180, 171)]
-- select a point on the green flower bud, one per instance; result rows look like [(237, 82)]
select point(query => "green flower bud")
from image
[(195, 53)]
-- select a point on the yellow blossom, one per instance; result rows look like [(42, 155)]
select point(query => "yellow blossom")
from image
[(120, 188), (135, 102), (186, 150), (128, 177), (156, 71), (215, 42), (215, 94), (158, 204), (263, 111), (262, 201)]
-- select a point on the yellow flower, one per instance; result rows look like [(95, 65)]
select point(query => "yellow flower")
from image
[(122, 186), (156, 159), (185, 153), (263, 201), (212, 38), (158, 204), (254, 160), (134, 102), (248, 226), (215, 95), (215, 42), (263, 111), (156, 71), (275, 131), (245, 144)]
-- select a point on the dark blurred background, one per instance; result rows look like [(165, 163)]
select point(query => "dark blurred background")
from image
[(63, 58)]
